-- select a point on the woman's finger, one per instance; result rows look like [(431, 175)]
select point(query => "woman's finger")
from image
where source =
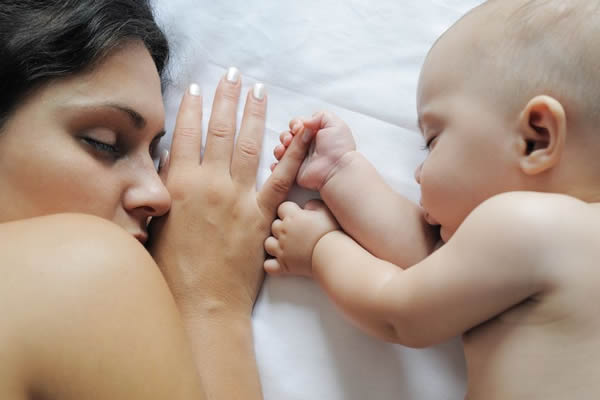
[(249, 142), (222, 123), (187, 136), (276, 188)]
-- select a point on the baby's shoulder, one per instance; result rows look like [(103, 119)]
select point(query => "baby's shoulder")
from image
[(549, 225), (556, 237), (549, 211)]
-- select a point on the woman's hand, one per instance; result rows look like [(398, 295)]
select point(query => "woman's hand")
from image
[(210, 245)]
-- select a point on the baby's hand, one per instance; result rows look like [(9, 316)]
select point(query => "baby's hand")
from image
[(333, 139), (295, 235)]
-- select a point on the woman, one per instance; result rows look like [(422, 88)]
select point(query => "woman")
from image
[(85, 312)]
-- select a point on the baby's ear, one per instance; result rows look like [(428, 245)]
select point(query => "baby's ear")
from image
[(543, 130)]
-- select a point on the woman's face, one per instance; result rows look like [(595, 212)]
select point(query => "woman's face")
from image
[(85, 144)]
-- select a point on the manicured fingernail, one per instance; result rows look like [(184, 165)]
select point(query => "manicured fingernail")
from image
[(306, 135), (233, 74), (258, 91), (195, 89), (164, 158)]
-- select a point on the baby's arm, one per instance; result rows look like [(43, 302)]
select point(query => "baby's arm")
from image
[(381, 220), (486, 268)]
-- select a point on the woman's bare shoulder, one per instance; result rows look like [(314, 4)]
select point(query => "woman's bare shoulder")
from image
[(59, 227), (79, 296)]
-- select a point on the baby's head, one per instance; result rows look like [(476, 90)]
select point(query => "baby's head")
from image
[(508, 96)]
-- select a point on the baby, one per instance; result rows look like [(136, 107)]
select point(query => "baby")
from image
[(505, 244)]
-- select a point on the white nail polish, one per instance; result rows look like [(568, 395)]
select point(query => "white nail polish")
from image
[(258, 91), (233, 74), (195, 89)]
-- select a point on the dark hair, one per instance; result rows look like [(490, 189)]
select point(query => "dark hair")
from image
[(44, 40)]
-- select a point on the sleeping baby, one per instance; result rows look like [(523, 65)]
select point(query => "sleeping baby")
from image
[(503, 248)]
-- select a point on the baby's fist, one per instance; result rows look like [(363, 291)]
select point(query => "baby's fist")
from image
[(295, 235), (332, 139)]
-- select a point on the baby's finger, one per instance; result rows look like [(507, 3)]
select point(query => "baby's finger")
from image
[(286, 138), (279, 151), (272, 246), (315, 205), (276, 227), (295, 126), (273, 166), (272, 267), (286, 209)]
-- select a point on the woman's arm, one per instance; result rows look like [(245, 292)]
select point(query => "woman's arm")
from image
[(210, 246)]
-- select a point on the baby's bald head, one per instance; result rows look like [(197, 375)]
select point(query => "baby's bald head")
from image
[(514, 50)]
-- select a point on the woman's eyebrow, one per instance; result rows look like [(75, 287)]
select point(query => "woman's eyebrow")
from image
[(135, 118), (138, 121)]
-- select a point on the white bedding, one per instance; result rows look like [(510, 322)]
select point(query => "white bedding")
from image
[(360, 59)]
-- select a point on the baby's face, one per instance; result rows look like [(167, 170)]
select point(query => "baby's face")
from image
[(84, 144), (471, 143)]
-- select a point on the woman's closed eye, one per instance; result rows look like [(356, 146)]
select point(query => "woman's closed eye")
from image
[(102, 147)]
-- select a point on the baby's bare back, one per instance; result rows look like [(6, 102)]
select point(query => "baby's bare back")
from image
[(547, 347)]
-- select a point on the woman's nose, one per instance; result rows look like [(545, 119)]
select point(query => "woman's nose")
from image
[(148, 194), (418, 173)]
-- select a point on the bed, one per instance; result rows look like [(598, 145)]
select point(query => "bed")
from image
[(360, 60)]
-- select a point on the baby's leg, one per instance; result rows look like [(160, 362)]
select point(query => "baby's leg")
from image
[(87, 314)]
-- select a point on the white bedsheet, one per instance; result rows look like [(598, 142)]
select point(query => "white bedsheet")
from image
[(360, 59)]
